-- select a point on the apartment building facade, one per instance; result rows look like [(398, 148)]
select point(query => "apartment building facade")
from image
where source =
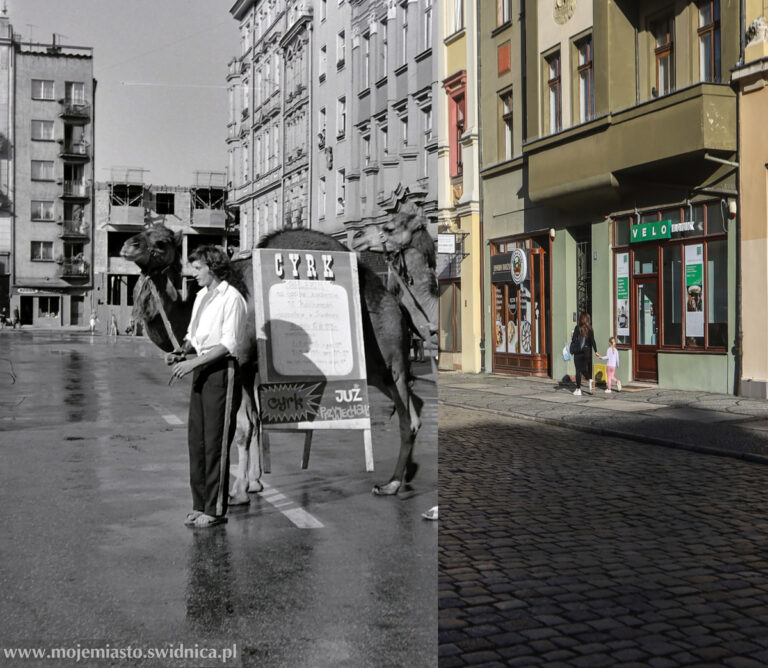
[(609, 143), (350, 114), (459, 222), (47, 174), (125, 205)]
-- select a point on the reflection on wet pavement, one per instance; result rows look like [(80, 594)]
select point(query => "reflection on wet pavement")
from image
[(96, 548)]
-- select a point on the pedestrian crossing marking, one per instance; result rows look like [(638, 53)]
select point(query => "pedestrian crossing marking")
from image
[(170, 418), (300, 517)]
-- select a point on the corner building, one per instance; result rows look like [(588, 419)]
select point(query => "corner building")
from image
[(608, 175)]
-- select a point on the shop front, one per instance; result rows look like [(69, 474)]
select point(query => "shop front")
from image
[(520, 296), (50, 309), (671, 294)]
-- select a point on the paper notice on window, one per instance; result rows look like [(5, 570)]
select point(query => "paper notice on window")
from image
[(622, 294), (694, 290), (310, 330)]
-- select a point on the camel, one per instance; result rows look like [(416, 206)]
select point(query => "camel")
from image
[(410, 253), (157, 302)]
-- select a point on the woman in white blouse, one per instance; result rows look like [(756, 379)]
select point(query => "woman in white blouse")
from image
[(216, 333)]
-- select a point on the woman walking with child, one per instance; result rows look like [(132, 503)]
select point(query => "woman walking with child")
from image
[(582, 342), (612, 357)]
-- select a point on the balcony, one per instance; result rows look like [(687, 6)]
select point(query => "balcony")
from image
[(76, 111), (75, 190), (74, 268), (75, 152), (74, 229), (663, 140), (127, 216), (209, 218)]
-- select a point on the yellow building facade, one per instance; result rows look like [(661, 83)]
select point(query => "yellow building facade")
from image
[(460, 251), (751, 81)]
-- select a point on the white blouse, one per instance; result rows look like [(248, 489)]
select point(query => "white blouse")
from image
[(221, 321)]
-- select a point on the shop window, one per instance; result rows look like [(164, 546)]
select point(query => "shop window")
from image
[(646, 260), (621, 232), (717, 293), (450, 317), (48, 307), (716, 220), (672, 296)]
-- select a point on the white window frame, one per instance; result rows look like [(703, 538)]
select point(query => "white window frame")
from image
[(44, 169), (43, 136), (341, 117), (42, 210), (43, 89), (42, 247), (341, 191)]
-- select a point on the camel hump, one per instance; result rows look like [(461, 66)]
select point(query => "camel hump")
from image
[(303, 239)]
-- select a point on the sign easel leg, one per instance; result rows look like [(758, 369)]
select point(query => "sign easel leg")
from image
[(307, 446), (368, 445)]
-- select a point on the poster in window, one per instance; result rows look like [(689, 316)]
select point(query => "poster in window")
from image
[(501, 339), (622, 294), (694, 288)]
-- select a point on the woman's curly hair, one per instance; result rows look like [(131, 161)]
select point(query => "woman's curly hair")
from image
[(217, 260)]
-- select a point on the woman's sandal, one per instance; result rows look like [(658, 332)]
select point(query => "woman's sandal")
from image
[(191, 517), (204, 521)]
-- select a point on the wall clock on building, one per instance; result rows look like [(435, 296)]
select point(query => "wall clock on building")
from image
[(564, 10)]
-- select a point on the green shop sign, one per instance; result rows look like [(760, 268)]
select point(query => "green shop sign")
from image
[(658, 229)]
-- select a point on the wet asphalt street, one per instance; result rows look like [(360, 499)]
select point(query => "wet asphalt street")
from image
[(93, 483), (560, 548)]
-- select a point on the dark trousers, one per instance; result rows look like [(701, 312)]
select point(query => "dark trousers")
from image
[(213, 405), (583, 363)]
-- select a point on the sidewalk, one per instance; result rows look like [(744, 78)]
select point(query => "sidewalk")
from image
[(710, 423)]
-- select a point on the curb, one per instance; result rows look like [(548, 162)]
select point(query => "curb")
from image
[(600, 431)]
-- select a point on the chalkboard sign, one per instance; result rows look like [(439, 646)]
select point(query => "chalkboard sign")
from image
[(310, 341)]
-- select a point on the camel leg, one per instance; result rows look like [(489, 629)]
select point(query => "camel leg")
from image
[(239, 491), (410, 422)]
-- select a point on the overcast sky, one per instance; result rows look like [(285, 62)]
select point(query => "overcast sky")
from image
[(174, 123)]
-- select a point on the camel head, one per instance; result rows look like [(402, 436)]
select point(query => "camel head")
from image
[(393, 235), (153, 249)]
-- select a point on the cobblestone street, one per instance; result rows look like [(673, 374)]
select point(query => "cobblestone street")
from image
[(563, 548)]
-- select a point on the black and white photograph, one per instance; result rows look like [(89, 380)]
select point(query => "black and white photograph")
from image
[(218, 354)]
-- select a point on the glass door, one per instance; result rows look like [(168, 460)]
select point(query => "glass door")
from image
[(646, 310)]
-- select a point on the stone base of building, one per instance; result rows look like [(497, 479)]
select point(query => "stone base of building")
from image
[(756, 389)]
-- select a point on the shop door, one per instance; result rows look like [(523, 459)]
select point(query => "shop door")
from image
[(646, 309), (26, 310), (77, 311)]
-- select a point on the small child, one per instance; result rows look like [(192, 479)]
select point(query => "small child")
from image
[(612, 355)]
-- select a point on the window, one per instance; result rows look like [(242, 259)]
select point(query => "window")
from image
[(42, 89), (48, 307), (366, 145), (42, 130), (114, 289), (709, 40), (323, 10), (322, 197), (458, 15), (323, 61), (341, 191), (458, 116), (42, 210), (404, 129), (384, 140), (42, 170), (450, 316), (554, 94), (586, 76), (366, 56), (75, 92), (662, 36), (426, 115), (245, 162), (693, 281), (340, 49), (164, 203), (321, 124), (404, 32), (506, 120), (42, 251), (502, 12), (427, 24), (341, 117), (383, 51)]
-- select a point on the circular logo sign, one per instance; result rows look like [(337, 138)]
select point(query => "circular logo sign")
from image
[(519, 265), (564, 10)]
